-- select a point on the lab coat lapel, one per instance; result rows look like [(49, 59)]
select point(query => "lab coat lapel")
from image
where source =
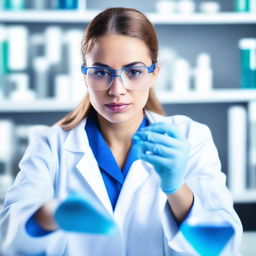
[(89, 169), (76, 143), (137, 174)]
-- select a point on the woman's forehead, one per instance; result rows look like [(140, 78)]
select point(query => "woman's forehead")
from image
[(118, 50)]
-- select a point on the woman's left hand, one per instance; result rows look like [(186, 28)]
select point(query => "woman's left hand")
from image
[(163, 146)]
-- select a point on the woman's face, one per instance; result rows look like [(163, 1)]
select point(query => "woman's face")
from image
[(118, 104)]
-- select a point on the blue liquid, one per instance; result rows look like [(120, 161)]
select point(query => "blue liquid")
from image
[(208, 240), (78, 214)]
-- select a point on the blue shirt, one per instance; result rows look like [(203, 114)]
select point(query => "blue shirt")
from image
[(111, 173)]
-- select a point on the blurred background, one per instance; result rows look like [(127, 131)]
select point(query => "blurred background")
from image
[(208, 72)]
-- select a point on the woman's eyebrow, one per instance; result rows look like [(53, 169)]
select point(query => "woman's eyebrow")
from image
[(133, 64), (99, 64)]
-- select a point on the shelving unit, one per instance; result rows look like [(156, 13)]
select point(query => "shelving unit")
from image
[(245, 197), (77, 18), (215, 96), (156, 18)]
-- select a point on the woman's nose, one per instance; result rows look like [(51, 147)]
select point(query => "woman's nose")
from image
[(117, 87)]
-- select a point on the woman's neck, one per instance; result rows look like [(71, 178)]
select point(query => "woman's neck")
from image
[(121, 133), (119, 136)]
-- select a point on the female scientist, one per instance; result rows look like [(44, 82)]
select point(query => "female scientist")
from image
[(149, 173)]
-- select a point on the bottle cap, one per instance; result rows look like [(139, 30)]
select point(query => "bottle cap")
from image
[(203, 60)]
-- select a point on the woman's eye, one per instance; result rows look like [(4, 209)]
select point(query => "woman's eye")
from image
[(101, 73), (134, 72)]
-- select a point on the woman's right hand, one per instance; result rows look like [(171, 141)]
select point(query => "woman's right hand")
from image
[(45, 215), (78, 213)]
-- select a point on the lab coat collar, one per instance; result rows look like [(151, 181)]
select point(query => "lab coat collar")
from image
[(154, 117), (77, 140)]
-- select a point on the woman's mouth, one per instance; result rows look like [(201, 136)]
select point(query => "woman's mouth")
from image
[(117, 107)]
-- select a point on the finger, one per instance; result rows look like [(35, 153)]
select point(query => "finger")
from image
[(158, 162), (158, 138), (165, 128), (157, 149)]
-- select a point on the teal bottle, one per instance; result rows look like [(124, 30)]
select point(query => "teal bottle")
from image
[(3, 52), (14, 4), (3, 60), (248, 63), (68, 4), (242, 5)]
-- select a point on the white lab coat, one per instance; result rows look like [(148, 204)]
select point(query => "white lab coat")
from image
[(57, 161)]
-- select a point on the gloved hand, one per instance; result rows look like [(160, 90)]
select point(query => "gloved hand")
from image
[(78, 214), (163, 146)]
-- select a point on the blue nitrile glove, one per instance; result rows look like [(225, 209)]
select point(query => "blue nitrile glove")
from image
[(163, 146), (78, 214)]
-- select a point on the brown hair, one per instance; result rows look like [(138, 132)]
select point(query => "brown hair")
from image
[(121, 21)]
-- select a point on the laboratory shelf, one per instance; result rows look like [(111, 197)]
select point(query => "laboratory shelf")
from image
[(215, 96), (248, 196), (60, 16), (47, 105), (203, 18)]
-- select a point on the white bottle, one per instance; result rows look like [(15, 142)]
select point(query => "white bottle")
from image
[(8, 144), (53, 44), (203, 73), (62, 88), (209, 7), (18, 47), (166, 6), (181, 76), (186, 6), (252, 6), (82, 5), (73, 39), (237, 149), (166, 58)]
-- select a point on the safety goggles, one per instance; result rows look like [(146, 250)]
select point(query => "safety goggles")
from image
[(133, 78)]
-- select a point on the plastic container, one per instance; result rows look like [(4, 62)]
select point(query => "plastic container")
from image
[(166, 6), (67, 4), (13, 4), (186, 6), (247, 48), (209, 7), (242, 5), (203, 73), (181, 76)]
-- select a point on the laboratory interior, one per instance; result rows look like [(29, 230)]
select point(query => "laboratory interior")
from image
[(207, 55)]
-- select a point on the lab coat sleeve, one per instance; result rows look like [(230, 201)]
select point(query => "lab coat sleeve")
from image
[(32, 187), (211, 197)]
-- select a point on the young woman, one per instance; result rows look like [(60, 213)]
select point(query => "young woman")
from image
[(149, 173)]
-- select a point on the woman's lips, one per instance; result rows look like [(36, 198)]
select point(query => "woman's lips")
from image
[(117, 107)]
